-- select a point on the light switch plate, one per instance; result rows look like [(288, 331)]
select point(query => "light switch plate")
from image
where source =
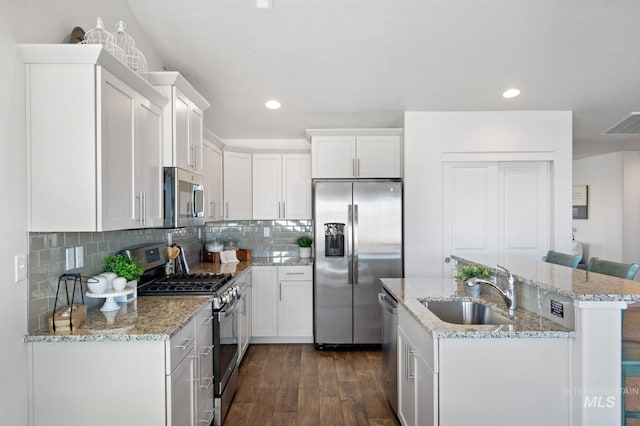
[(267, 232), (79, 257), (70, 258), (20, 272)]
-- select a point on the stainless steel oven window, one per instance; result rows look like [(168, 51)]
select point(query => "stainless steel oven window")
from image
[(227, 354)]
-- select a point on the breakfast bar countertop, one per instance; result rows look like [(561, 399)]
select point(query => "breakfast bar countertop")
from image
[(575, 283), (528, 324)]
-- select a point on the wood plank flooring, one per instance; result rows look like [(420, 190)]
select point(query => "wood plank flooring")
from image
[(298, 385)]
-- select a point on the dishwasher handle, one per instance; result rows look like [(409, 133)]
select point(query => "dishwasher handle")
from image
[(387, 303)]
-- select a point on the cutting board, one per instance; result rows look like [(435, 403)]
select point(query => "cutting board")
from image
[(78, 316), (214, 257)]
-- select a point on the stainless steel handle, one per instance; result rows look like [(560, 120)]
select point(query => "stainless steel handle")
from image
[(186, 343), (226, 210), (284, 210), (210, 348), (358, 167), (295, 273), (279, 209), (212, 206), (280, 291), (139, 199), (210, 419), (209, 380), (144, 208), (353, 167), (227, 312), (411, 374), (349, 244), (383, 301), (355, 244), (207, 321)]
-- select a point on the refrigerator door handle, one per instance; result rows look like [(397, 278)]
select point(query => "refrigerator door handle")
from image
[(349, 244), (355, 244)]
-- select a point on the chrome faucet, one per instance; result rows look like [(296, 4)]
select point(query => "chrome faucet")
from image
[(508, 294)]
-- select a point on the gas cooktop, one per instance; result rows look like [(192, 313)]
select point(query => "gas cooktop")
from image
[(207, 283)]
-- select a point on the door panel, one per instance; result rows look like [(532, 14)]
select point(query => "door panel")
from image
[(377, 252), (333, 297)]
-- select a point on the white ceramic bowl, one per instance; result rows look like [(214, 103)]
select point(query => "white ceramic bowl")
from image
[(119, 283), (97, 284), (109, 276)]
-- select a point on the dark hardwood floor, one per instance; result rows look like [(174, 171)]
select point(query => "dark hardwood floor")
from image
[(298, 385)]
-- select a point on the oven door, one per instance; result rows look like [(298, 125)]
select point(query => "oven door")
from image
[(225, 345)]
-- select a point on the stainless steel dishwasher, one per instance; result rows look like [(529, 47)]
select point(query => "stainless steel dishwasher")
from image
[(389, 347)]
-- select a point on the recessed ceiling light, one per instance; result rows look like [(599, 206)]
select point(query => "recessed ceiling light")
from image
[(511, 93), (273, 104), (264, 4)]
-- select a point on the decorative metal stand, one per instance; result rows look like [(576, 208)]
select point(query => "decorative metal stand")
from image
[(65, 278)]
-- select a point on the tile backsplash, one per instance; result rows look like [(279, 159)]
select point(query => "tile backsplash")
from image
[(47, 252)]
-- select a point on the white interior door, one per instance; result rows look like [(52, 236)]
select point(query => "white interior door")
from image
[(496, 208)]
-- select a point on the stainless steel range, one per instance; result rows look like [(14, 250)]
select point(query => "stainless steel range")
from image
[(225, 297)]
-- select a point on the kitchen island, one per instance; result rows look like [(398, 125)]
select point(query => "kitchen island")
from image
[(593, 305)]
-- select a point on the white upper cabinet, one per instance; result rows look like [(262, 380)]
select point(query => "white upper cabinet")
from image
[(212, 168), (93, 139), (281, 186), (357, 153), (237, 185), (183, 121)]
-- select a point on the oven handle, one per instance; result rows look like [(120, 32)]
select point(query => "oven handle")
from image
[(227, 311)]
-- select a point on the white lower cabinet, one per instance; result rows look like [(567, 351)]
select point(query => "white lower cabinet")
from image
[(284, 313), (459, 381), (244, 319), (204, 369), (142, 383)]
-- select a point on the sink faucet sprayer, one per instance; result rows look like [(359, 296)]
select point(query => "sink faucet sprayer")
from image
[(509, 294)]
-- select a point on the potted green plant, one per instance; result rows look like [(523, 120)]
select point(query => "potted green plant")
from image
[(466, 272), (304, 242), (129, 269)]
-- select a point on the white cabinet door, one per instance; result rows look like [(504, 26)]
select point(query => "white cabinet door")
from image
[(117, 115), (425, 393), (406, 380), (267, 186), (212, 172), (333, 157), (281, 186), (378, 157), (265, 297), (296, 186), (181, 388), (181, 129), (237, 186), (148, 165), (295, 308)]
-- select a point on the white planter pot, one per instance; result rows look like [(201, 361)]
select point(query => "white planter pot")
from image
[(305, 252)]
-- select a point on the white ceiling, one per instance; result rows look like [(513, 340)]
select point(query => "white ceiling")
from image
[(362, 63)]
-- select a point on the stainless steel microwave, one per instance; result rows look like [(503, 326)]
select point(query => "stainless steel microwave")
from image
[(183, 198)]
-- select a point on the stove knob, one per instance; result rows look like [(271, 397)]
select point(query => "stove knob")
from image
[(216, 303)]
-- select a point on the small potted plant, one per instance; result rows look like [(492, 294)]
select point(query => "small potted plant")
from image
[(304, 242), (466, 272), (129, 269)]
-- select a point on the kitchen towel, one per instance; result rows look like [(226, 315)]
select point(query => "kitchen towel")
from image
[(228, 268), (228, 256)]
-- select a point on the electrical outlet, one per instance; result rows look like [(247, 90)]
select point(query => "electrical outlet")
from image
[(79, 256), (267, 232), (70, 258)]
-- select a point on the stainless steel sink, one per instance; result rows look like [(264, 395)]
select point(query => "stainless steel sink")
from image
[(465, 312)]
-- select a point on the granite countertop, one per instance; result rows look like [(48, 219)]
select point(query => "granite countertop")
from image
[(145, 318), (282, 261), (527, 324), (575, 283)]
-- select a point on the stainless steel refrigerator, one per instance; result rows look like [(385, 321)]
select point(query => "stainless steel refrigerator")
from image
[(357, 241)]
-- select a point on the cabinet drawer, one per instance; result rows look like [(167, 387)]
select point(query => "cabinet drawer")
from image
[(204, 327), (180, 345), (295, 273)]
